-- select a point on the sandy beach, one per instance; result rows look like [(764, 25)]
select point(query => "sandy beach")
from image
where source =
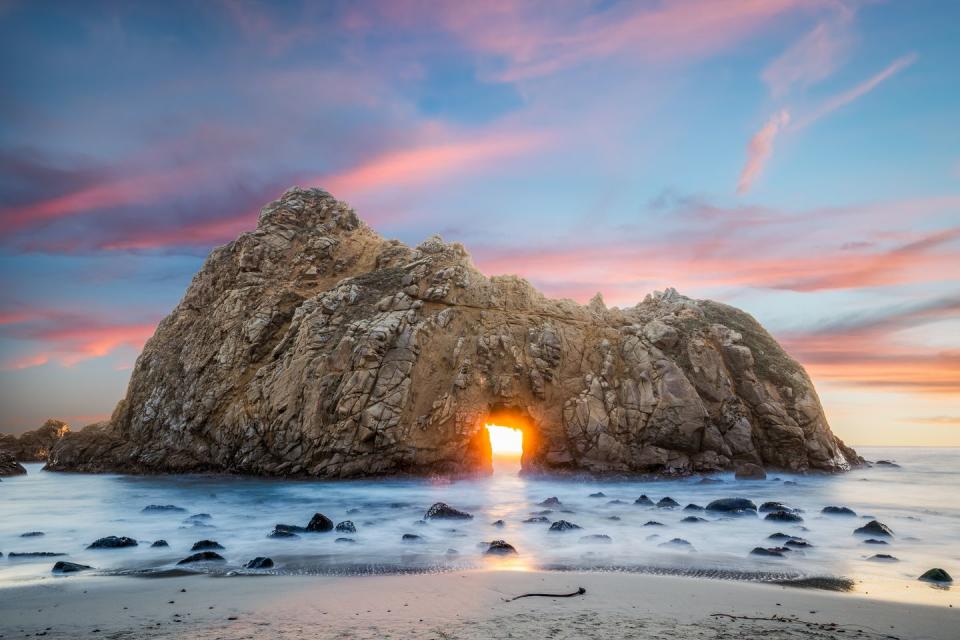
[(455, 605)]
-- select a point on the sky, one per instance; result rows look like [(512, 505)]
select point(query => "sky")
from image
[(799, 159)]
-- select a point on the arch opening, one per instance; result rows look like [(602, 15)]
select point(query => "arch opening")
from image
[(508, 436)]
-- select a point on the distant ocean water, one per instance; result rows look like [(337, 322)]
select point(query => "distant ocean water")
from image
[(920, 501)]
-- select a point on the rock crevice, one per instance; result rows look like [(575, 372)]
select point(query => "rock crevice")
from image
[(313, 346)]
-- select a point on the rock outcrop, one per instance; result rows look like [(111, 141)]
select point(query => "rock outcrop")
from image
[(35, 446), (9, 465), (312, 346)]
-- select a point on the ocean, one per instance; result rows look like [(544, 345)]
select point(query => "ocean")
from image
[(918, 500)]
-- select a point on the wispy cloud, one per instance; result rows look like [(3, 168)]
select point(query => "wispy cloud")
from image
[(539, 39), (759, 149), (946, 420), (842, 99), (866, 351), (760, 146), (813, 58)]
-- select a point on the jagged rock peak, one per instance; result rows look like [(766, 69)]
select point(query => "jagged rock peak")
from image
[(313, 346)]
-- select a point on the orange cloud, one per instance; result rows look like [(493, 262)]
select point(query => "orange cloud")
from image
[(759, 149)]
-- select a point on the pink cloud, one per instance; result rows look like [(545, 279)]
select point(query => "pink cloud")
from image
[(759, 149), (541, 39), (196, 234), (69, 338), (423, 164)]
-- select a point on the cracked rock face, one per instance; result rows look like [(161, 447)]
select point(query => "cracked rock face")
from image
[(313, 346)]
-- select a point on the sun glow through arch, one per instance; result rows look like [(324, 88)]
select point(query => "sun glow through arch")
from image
[(505, 441)]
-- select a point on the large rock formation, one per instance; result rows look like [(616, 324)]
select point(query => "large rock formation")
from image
[(313, 346), (35, 446)]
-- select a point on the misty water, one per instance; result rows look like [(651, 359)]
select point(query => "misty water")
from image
[(918, 501)]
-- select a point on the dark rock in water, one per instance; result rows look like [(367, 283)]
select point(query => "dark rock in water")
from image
[(935, 575), (412, 538), (345, 541), (791, 483), (887, 463), (198, 517), (798, 543), (616, 502), (774, 552), (735, 506), (162, 508), (597, 537), (838, 511), (346, 526), (205, 544), (35, 554), (542, 512), (615, 518), (783, 516), (203, 556), (69, 567), (598, 494), (443, 511), (160, 543), (874, 541), (749, 471), (782, 536), (289, 528), (767, 507), (32, 534), (693, 507), (694, 519), (282, 533), (500, 548), (883, 557), (710, 481), (536, 519), (320, 523), (551, 502), (874, 528), (498, 523), (563, 525), (9, 465), (644, 500), (259, 562), (452, 552), (667, 503), (113, 542), (567, 511), (653, 523), (677, 543)]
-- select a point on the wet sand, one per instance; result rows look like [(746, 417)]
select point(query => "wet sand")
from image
[(464, 605)]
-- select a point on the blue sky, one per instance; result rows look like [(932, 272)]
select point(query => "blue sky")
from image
[(799, 159)]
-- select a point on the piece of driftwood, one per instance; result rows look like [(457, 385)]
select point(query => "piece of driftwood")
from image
[(579, 592)]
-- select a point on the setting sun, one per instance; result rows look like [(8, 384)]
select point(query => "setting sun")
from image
[(505, 441)]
